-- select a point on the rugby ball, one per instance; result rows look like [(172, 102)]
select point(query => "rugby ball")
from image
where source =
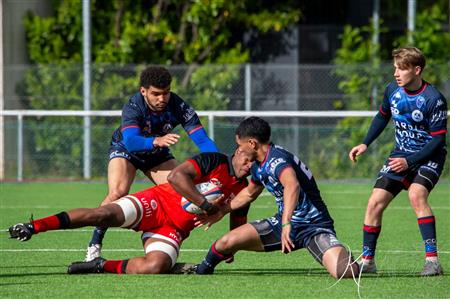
[(210, 191)]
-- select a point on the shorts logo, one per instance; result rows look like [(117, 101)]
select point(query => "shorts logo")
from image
[(417, 115), (153, 204), (385, 169), (433, 165), (116, 153), (273, 220)]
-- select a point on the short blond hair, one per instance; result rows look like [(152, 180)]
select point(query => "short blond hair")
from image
[(408, 57)]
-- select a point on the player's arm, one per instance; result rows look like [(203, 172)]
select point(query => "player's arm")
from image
[(242, 199), (181, 178), (379, 122), (288, 179), (201, 139)]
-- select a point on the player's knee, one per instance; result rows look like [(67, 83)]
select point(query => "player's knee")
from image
[(152, 266), (226, 243), (104, 216), (115, 194)]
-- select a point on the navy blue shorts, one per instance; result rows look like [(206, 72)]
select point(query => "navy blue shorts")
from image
[(269, 231), (426, 174), (142, 161)]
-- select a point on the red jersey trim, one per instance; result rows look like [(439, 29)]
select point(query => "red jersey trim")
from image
[(195, 129), (416, 93), (197, 168), (438, 132), (128, 127), (382, 112)]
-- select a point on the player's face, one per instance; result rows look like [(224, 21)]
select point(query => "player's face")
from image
[(407, 77), (242, 163), (156, 98), (247, 146)]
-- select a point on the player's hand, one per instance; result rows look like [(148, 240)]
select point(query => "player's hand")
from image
[(208, 220), (286, 243), (166, 140), (357, 151), (398, 164)]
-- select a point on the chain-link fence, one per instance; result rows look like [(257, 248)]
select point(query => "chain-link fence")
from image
[(52, 146)]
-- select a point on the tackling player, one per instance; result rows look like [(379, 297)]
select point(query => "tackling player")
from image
[(142, 141), (302, 220), (156, 212), (419, 114)]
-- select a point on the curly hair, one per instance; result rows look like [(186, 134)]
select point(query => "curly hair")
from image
[(155, 76)]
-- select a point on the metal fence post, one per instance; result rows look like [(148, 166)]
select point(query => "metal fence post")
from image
[(211, 126), (87, 88), (248, 86), (20, 147)]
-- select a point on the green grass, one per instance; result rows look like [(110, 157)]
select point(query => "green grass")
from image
[(27, 270)]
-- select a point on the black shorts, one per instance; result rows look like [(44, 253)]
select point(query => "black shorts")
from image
[(426, 174), (317, 238), (142, 161)]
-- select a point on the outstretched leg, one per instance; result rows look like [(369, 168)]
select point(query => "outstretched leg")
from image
[(108, 216)]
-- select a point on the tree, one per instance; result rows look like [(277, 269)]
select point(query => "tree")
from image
[(126, 36), (358, 79)]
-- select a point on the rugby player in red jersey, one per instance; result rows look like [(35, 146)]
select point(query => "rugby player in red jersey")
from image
[(156, 212)]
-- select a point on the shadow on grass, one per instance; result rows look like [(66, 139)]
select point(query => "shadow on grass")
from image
[(33, 266), (31, 274)]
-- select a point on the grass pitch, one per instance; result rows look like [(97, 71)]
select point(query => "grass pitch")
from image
[(37, 268)]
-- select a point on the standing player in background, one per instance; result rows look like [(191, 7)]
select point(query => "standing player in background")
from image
[(142, 141), (419, 114), (302, 220), (156, 212)]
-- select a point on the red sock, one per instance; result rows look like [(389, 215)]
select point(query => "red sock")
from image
[(45, 224), (118, 267)]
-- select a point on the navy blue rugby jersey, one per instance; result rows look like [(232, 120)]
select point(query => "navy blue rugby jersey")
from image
[(416, 116), (310, 207), (137, 114)]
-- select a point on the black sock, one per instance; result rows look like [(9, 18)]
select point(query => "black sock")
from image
[(211, 260), (98, 235)]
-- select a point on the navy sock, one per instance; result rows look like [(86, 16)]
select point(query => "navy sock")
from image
[(98, 235), (427, 226), (370, 235), (211, 260)]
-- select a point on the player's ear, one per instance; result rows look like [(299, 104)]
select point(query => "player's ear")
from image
[(142, 90)]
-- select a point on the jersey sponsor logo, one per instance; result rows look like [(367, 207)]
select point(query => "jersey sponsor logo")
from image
[(417, 115), (274, 163), (441, 115), (402, 125), (398, 95), (188, 114), (167, 128), (420, 101), (153, 204), (116, 154), (216, 182)]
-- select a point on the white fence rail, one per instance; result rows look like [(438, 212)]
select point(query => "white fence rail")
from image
[(211, 115)]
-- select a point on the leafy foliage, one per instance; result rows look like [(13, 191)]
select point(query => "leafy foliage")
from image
[(363, 84), (126, 35)]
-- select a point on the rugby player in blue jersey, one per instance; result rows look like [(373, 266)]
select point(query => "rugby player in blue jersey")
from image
[(302, 220), (143, 139), (419, 114)]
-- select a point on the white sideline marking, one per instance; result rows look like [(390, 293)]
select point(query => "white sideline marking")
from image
[(185, 250)]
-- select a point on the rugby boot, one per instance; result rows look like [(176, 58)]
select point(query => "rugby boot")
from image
[(432, 268), (94, 266), (93, 251), (367, 266), (21, 231), (183, 268)]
